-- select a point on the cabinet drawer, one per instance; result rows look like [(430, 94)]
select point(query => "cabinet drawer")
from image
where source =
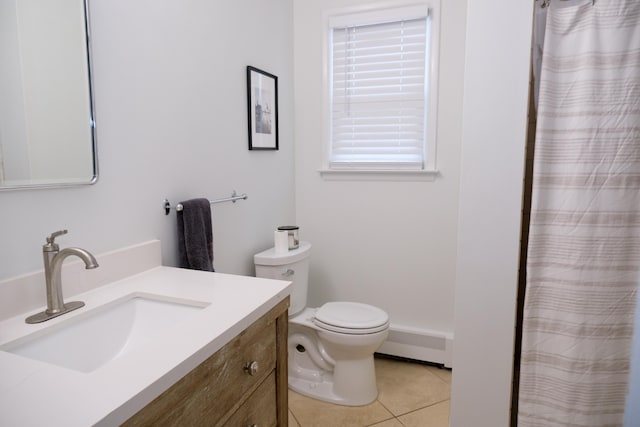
[(219, 385), (231, 370), (259, 409)]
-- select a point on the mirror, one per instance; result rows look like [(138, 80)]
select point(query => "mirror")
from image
[(47, 126)]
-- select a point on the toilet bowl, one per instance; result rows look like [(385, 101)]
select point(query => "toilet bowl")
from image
[(330, 347)]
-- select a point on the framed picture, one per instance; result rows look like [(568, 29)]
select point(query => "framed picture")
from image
[(262, 106)]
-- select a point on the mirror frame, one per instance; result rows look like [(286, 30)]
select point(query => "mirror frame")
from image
[(92, 124)]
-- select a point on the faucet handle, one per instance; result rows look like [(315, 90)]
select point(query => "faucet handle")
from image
[(51, 239)]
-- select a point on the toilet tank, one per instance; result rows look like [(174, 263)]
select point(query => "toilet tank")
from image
[(293, 266)]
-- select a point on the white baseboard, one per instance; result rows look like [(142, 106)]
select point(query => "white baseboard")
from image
[(419, 344)]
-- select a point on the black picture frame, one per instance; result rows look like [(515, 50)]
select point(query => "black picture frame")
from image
[(262, 109)]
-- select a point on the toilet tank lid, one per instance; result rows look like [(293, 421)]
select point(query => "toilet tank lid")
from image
[(270, 257)]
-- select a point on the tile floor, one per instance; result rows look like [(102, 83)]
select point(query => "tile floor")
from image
[(409, 395)]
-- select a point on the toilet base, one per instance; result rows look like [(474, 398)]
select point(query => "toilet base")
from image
[(356, 385), (316, 390)]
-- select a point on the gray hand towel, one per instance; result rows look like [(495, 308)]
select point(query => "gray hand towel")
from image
[(195, 236)]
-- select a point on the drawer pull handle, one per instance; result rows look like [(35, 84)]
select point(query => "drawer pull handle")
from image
[(251, 368)]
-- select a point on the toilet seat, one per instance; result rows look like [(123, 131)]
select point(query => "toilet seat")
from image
[(351, 318)]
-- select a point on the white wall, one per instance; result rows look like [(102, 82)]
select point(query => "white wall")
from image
[(387, 243), (494, 131), (171, 118)]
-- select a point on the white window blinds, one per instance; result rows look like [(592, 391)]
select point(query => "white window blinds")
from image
[(378, 94)]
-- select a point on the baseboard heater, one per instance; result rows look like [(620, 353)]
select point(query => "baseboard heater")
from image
[(419, 344)]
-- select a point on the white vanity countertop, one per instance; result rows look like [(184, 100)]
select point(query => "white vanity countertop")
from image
[(36, 393)]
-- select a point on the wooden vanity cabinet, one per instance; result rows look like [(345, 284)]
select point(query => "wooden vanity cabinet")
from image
[(242, 384)]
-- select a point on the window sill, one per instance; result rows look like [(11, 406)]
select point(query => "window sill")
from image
[(378, 175)]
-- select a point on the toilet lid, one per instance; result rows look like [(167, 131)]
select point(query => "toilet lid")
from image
[(351, 318)]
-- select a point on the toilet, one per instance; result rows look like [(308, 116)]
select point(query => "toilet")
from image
[(330, 347)]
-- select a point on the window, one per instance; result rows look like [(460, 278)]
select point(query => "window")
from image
[(380, 89)]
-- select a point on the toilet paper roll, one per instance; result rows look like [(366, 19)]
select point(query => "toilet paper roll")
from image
[(281, 239)]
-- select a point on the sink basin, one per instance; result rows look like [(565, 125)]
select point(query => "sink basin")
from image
[(89, 340)]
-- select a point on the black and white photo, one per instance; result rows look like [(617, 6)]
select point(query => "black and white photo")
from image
[(262, 107)]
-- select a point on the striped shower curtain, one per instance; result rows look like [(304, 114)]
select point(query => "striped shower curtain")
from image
[(584, 242)]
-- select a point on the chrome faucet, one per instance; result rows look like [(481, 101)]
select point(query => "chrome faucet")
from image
[(53, 258)]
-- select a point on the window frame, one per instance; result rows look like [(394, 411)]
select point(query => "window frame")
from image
[(386, 11)]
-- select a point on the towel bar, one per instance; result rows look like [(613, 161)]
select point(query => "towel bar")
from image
[(234, 196)]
